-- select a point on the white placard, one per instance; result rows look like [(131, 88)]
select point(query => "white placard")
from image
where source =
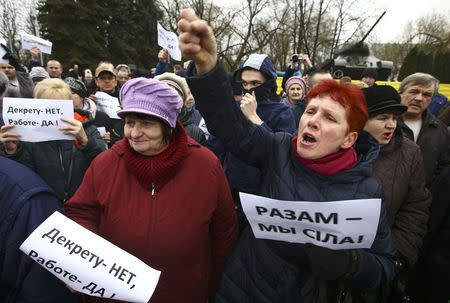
[(345, 224), (30, 41), (169, 41), (38, 120), (202, 126), (88, 263), (101, 130), (2, 41), (107, 104)]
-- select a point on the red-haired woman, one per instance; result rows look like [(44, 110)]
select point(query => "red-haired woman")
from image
[(323, 163)]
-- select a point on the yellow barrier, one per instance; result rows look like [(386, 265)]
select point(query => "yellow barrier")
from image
[(443, 88)]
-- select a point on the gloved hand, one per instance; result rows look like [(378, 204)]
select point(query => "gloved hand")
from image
[(12, 60), (332, 264)]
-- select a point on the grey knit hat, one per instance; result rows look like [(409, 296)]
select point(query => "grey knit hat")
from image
[(38, 73)]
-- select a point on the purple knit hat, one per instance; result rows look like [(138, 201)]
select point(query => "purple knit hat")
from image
[(150, 97), (296, 80)]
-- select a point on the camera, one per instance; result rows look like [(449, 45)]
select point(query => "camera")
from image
[(295, 58)]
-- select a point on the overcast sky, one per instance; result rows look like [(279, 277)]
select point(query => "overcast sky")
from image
[(398, 14)]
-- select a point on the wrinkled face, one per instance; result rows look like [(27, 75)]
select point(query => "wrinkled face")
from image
[(417, 98), (382, 127), (106, 82), (295, 93), (323, 129), (9, 70), (368, 80), (145, 136), (251, 79), (54, 69), (77, 101)]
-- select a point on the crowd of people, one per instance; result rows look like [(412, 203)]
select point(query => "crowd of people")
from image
[(162, 179)]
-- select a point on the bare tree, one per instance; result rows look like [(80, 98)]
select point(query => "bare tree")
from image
[(9, 28)]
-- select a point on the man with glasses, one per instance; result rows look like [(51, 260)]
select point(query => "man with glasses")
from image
[(419, 124)]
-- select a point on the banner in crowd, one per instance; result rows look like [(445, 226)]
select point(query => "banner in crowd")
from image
[(30, 41), (169, 41), (345, 224), (38, 120), (107, 104), (88, 263)]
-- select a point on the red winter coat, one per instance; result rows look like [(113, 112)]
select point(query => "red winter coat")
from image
[(186, 230)]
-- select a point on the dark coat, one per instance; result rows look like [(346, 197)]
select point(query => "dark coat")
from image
[(399, 169), (273, 271), (60, 163), (192, 129), (431, 284), (25, 202), (433, 142)]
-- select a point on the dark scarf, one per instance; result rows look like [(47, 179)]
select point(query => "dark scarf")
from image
[(153, 172), (330, 164)]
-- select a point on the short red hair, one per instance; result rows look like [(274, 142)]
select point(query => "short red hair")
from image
[(349, 96)]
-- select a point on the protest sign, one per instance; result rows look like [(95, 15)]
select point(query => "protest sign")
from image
[(88, 263), (169, 41), (107, 104), (38, 120), (30, 41), (345, 224), (101, 130)]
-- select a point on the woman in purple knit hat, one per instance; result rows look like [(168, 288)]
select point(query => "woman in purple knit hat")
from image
[(161, 196)]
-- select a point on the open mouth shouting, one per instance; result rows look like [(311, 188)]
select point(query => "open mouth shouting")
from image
[(307, 139)]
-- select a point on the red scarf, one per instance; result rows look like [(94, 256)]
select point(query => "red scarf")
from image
[(153, 172), (330, 164)]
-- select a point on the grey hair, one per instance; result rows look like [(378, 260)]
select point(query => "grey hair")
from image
[(419, 79)]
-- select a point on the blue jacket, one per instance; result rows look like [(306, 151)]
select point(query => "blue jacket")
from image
[(25, 202), (269, 271)]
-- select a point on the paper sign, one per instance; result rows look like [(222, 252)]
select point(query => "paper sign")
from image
[(169, 41), (202, 126), (344, 224), (88, 263), (30, 41), (38, 120), (107, 104), (101, 130)]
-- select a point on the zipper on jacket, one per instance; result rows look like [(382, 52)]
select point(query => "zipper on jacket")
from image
[(153, 188)]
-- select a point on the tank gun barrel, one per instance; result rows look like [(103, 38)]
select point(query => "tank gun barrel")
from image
[(373, 26)]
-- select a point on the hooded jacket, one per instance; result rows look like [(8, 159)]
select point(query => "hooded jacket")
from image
[(272, 271)]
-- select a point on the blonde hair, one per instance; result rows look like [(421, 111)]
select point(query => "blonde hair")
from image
[(52, 89)]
